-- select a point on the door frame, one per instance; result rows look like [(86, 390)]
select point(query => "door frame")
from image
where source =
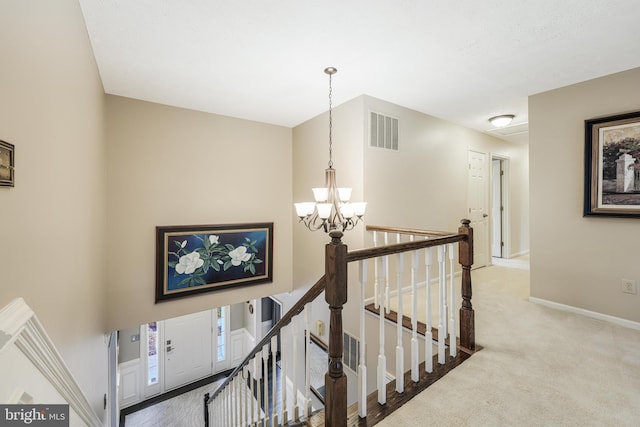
[(505, 164)]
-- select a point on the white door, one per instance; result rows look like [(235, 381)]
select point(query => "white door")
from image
[(187, 342), (477, 203), (496, 208)]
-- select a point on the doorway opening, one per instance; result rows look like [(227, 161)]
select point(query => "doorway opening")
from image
[(499, 206)]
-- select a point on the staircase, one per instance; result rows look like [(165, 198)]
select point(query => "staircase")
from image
[(435, 345)]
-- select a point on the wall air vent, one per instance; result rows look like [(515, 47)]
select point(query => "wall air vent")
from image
[(383, 131)]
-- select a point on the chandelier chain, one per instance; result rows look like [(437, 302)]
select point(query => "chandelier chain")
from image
[(330, 126)]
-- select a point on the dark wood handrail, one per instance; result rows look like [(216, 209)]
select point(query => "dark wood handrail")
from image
[(403, 247), (413, 231), (297, 308)]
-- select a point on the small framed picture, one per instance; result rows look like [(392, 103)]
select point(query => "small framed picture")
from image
[(612, 166), (191, 259), (7, 164)]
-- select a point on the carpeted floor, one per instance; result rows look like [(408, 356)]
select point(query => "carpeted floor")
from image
[(539, 366)]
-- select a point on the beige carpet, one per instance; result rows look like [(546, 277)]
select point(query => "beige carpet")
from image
[(539, 367)]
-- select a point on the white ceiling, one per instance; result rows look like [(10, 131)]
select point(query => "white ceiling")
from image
[(263, 60)]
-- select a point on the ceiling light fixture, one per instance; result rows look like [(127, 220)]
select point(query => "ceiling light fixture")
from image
[(332, 209), (502, 120)]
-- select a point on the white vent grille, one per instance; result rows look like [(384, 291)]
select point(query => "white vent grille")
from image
[(351, 355), (384, 131)]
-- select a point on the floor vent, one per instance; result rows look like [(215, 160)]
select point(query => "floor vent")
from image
[(384, 131)]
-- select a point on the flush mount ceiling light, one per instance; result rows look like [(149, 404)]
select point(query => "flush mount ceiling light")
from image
[(502, 120), (332, 209)]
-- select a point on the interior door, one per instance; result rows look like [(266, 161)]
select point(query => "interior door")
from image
[(496, 208), (187, 342), (477, 203)]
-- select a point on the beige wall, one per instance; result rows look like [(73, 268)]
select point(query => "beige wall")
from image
[(424, 184), (575, 260), (171, 166), (52, 224)]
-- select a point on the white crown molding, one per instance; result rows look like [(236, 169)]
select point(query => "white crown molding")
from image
[(21, 325)]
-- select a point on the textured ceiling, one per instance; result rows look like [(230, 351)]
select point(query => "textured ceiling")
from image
[(263, 60)]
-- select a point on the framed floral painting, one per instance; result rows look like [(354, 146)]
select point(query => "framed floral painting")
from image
[(191, 259)]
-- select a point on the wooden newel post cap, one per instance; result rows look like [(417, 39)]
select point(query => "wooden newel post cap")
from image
[(336, 236), (465, 222)]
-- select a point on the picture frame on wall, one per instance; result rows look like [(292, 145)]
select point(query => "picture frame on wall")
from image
[(7, 164), (612, 166), (192, 259)]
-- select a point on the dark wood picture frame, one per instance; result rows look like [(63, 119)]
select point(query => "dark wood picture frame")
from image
[(7, 164), (612, 166), (192, 259)]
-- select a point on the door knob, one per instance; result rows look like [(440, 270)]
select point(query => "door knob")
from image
[(484, 215)]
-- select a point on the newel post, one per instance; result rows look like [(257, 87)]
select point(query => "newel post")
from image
[(335, 380), (465, 257)]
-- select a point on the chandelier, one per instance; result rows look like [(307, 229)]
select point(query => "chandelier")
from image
[(332, 209)]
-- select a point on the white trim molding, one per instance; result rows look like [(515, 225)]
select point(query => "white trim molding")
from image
[(20, 326), (593, 314)]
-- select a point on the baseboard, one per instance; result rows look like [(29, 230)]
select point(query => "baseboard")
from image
[(593, 314), (517, 254)]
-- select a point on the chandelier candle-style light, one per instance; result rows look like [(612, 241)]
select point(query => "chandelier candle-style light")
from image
[(332, 209)]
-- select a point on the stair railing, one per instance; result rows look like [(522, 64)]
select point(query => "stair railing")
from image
[(237, 401)]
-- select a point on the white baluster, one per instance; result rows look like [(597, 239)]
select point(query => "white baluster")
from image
[(274, 388), (228, 405), (362, 367), (442, 307), (294, 333), (428, 336), (399, 345), (245, 392), (283, 375), (255, 396), (265, 383), (452, 307), (259, 377), (415, 357), (237, 401), (382, 359), (376, 282), (307, 367), (385, 261)]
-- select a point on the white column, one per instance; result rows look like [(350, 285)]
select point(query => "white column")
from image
[(385, 261), (265, 383), (274, 389), (362, 367), (442, 307), (415, 357), (255, 395), (284, 418), (247, 395), (399, 345), (382, 359), (307, 368), (428, 336), (452, 306), (376, 281), (294, 379)]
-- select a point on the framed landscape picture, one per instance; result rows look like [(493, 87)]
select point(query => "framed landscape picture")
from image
[(202, 258), (612, 166), (7, 164)]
